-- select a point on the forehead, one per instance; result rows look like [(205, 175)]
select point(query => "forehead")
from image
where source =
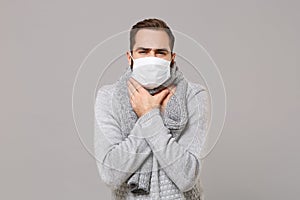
[(149, 38)]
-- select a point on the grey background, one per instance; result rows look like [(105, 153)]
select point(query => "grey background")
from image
[(254, 44)]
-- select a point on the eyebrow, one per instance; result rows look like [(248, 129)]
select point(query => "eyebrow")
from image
[(147, 49)]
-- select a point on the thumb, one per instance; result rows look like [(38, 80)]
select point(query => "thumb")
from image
[(162, 94)]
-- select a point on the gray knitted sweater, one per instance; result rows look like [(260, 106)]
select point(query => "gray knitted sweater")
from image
[(176, 164)]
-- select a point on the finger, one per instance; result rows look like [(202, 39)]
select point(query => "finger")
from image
[(172, 89), (129, 92), (132, 102), (136, 84), (162, 94), (131, 88), (131, 97)]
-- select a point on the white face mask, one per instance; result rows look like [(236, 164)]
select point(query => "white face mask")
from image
[(151, 72)]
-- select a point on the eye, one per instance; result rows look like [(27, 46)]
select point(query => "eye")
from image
[(162, 53), (142, 52)]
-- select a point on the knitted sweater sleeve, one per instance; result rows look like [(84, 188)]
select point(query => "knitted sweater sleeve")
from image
[(179, 159)]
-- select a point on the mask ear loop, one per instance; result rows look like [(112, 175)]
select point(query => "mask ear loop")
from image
[(131, 62)]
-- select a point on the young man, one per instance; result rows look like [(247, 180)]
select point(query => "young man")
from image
[(151, 124)]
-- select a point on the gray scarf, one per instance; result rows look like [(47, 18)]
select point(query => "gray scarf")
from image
[(174, 117)]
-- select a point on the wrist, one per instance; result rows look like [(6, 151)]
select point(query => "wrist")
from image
[(149, 110)]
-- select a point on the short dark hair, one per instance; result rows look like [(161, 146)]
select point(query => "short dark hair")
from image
[(153, 23)]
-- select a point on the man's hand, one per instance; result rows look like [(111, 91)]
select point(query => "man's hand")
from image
[(165, 100), (140, 99)]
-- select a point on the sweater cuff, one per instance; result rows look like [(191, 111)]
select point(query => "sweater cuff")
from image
[(149, 124)]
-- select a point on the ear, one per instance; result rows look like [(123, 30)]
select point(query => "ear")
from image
[(173, 56), (128, 58)]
